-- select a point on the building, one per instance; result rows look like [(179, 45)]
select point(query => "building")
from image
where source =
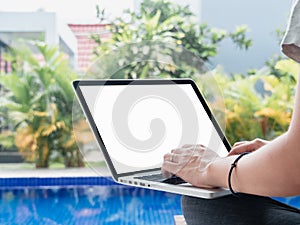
[(86, 44), (43, 26)]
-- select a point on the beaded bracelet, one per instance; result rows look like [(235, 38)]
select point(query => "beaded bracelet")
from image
[(233, 165)]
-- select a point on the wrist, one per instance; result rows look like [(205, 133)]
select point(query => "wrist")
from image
[(217, 171), (232, 167), (213, 175)]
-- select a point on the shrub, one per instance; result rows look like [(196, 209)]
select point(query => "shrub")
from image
[(261, 104), (38, 105)]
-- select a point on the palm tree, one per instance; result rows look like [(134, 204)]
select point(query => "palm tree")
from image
[(39, 103)]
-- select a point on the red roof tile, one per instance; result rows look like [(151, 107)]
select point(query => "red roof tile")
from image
[(85, 44)]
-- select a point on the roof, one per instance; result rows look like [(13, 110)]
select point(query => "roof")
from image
[(85, 43)]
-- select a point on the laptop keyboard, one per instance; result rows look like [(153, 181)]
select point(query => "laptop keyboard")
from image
[(152, 177), (159, 178)]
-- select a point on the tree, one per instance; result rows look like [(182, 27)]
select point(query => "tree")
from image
[(158, 23), (38, 102)]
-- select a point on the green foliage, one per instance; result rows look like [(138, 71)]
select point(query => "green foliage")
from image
[(260, 104), (37, 104), (239, 37), (162, 22)]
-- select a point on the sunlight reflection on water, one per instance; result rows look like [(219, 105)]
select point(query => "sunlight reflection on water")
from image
[(114, 204)]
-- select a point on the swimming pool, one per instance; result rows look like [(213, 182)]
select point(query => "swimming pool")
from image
[(87, 200), (105, 204)]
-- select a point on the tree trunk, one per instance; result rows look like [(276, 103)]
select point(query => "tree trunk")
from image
[(73, 158), (43, 157)]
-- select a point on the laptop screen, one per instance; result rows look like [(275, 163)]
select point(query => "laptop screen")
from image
[(138, 124)]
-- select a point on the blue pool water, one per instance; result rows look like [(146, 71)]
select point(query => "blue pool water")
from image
[(85, 201), (292, 201), (109, 205)]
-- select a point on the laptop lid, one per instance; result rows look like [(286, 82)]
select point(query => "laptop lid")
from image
[(136, 122)]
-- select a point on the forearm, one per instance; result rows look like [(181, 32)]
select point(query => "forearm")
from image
[(271, 171)]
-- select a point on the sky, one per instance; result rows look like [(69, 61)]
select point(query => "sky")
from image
[(81, 11), (71, 11)]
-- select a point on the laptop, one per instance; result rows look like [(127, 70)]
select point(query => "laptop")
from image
[(136, 122)]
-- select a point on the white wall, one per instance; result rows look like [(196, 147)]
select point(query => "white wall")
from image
[(16, 25), (11, 22)]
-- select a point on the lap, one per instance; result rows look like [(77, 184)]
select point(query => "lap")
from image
[(243, 210)]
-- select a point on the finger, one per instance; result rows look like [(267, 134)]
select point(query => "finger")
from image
[(173, 157), (182, 149), (239, 143), (249, 146), (236, 151), (178, 153), (193, 146), (259, 142), (177, 150), (246, 147), (187, 145), (232, 152), (189, 152), (166, 174), (170, 167), (168, 157)]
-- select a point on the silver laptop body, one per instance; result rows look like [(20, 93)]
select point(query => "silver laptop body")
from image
[(135, 122)]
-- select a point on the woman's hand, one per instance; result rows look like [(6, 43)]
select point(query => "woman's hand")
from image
[(189, 162), (247, 146)]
